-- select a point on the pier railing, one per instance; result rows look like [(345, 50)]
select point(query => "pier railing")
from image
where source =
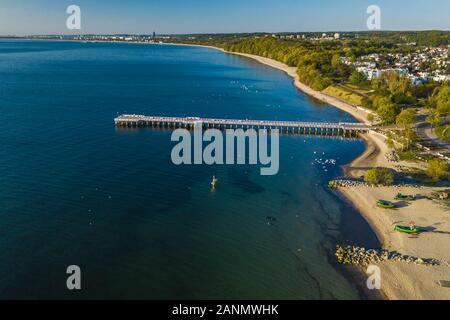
[(343, 129)]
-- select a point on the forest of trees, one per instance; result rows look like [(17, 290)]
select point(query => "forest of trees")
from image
[(318, 66), (439, 102)]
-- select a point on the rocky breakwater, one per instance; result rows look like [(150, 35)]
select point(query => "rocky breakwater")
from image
[(352, 255), (347, 183), (344, 183), (392, 157)]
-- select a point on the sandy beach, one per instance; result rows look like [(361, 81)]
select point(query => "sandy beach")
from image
[(374, 156), (403, 280)]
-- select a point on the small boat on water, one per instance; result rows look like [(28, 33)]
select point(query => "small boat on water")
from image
[(214, 182), (405, 197), (385, 204), (406, 229)]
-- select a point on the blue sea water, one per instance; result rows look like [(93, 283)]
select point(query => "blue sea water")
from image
[(75, 190)]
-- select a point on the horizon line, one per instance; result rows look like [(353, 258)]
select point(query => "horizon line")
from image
[(222, 33)]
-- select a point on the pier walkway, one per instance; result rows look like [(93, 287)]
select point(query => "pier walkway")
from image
[(288, 127)]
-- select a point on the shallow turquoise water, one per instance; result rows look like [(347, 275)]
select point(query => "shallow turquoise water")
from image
[(76, 190)]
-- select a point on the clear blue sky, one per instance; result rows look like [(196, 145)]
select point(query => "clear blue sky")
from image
[(202, 16)]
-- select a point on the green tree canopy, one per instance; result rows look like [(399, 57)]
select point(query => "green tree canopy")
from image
[(443, 100), (437, 169), (386, 109), (357, 78), (440, 99), (406, 118), (378, 177)]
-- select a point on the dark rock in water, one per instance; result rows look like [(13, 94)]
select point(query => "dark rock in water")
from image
[(271, 220)]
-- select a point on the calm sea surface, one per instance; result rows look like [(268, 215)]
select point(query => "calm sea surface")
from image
[(74, 190)]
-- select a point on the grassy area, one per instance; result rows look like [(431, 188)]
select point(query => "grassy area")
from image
[(343, 94), (443, 132), (365, 90), (413, 155), (409, 155)]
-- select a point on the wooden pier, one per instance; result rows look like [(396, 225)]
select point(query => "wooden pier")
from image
[(287, 127)]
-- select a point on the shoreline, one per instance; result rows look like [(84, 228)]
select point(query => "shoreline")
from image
[(405, 281)]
